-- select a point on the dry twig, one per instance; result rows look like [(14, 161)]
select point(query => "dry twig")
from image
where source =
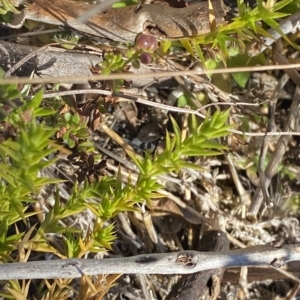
[(184, 262)]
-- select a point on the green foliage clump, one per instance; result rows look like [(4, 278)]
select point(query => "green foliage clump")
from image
[(73, 127), (25, 155)]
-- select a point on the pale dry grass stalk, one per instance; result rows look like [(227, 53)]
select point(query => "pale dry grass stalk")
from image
[(71, 79)]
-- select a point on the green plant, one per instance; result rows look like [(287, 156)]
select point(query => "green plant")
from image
[(22, 158), (247, 26), (112, 63), (73, 128)]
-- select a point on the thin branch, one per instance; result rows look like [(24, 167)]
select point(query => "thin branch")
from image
[(166, 107), (184, 262), (130, 76)]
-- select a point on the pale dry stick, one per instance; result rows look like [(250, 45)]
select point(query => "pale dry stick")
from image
[(138, 99), (169, 108), (195, 112), (75, 92), (158, 105), (184, 262), (243, 282), (291, 125), (134, 98), (253, 134), (125, 76)]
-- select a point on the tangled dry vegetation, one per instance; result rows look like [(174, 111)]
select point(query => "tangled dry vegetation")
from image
[(131, 164)]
